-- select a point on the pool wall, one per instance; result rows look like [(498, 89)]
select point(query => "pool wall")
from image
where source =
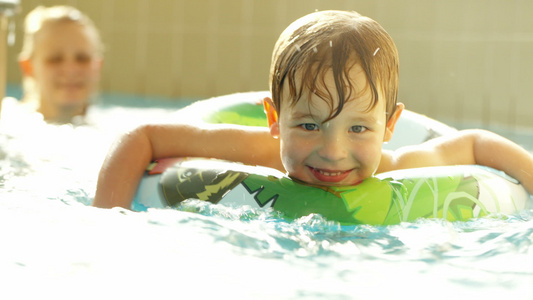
[(461, 61)]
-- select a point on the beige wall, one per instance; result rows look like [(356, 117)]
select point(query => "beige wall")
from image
[(3, 55), (461, 60)]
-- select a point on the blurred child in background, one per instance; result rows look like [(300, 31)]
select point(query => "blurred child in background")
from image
[(61, 61)]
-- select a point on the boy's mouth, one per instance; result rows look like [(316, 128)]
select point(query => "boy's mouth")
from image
[(329, 175)]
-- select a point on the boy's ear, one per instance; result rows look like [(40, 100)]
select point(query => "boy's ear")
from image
[(27, 67), (272, 116), (389, 130)]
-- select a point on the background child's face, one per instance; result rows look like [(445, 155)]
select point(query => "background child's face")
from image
[(65, 65), (341, 151)]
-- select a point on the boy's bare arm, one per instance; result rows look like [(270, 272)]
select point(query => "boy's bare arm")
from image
[(124, 166), (466, 147)]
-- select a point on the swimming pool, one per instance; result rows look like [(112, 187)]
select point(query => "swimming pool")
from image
[(54, 244)]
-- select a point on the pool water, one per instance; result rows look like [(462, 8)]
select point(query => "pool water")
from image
[(53, 244)]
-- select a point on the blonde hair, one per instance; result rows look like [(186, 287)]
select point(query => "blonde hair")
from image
[(334, 40), (38, 17)]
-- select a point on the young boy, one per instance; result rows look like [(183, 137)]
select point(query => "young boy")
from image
[(334, 84)]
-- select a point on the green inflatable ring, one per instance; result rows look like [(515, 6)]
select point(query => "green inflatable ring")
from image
[(455, 193)]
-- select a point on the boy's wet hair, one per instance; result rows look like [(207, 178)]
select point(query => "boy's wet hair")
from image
[(336, 41)]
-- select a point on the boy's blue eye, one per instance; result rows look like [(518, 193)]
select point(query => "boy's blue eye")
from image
[(358, 129), (309, 126)]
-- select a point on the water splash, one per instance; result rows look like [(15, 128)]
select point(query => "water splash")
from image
[(59, 243)]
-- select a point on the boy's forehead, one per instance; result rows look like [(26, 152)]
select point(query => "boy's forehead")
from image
[(315, 108), (325, 87)]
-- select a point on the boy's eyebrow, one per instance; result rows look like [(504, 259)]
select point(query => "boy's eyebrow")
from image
[(298, 115), (302, 115), (363, 117)]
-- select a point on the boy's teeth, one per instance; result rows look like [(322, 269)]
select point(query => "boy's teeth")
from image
[(329, 173)]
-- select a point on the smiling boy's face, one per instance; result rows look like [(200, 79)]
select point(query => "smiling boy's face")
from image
[(342, 151)]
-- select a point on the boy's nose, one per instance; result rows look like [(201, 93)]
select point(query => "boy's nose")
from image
[(333, 148)]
